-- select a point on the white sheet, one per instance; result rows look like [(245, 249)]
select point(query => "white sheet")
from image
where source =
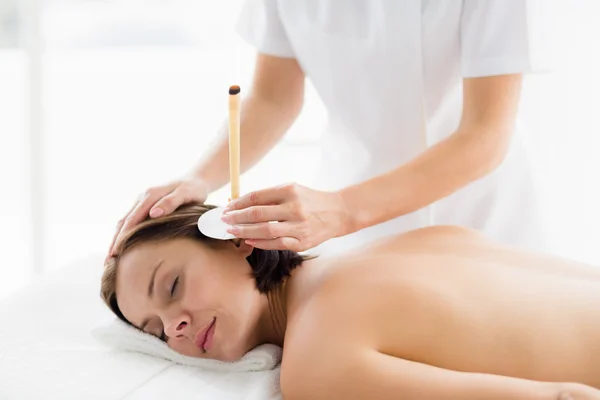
[(121, 336), (46, 351)]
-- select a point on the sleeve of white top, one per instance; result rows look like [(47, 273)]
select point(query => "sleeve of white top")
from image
[(505, 37), (260, 25)]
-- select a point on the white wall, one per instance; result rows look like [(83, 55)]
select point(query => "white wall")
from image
[(129, 120), (15, 222), (562, 110), (122, 115)]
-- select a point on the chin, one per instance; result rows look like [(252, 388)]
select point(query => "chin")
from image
[(236, 345), (189, 351), (232, 354)]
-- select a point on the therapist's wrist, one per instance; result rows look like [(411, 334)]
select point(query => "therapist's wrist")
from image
[(351, 217), (205, 183)]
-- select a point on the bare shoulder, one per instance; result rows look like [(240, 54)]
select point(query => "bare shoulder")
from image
[(440, 232), (318, 338), (430, 238), (325, 334)]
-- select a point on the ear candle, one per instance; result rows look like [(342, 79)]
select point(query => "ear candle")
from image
[(210, 223), (234, 141)]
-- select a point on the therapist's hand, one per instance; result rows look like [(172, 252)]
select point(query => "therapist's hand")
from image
[(158, 201), (306, 217)]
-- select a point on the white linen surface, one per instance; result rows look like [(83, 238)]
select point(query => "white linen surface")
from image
[(47, 351), (121, 336)]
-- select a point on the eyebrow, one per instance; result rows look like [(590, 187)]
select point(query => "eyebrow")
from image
[(151, 290)]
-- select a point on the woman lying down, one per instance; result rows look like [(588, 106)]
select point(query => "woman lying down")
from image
[(439, 313)]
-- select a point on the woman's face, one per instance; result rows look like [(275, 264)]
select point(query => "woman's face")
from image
[(202, 299)]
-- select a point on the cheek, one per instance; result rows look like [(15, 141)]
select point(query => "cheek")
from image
[(204, 293), (232, 295), (216, 289)]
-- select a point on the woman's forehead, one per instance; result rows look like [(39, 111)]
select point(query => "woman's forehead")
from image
[(143, 252), (139, 262), (134, 275), (134, 269), (138, 259)]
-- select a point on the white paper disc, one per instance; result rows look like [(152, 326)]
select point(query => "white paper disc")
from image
[(211, 225)]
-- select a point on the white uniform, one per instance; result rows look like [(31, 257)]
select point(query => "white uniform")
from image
[(390, 74)]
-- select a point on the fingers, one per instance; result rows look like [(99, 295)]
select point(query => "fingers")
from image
[(266, 230), (274, 195), (118, 230), (189, 191), (257, 214), (140, 211), (282, 243), (169, 203), (114, 239)]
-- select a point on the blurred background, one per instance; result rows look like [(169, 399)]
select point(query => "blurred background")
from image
[(102, 99)]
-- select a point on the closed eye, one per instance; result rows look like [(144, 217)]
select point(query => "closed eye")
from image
[(163, 335), (174, 287)]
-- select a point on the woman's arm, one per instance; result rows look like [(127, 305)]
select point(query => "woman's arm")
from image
[(477, 147), (367, 374)]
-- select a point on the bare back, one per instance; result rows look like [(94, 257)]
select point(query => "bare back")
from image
[(450, 298)]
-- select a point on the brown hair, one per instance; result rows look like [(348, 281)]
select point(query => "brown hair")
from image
[(270, 268)]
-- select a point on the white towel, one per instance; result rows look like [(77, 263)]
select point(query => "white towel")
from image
[(119, 335)]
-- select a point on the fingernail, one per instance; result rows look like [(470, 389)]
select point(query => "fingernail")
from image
[(233, 230), (156, 212), (225, 218), (226, 210)]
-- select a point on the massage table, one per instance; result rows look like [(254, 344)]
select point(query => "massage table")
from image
[(48, 352)]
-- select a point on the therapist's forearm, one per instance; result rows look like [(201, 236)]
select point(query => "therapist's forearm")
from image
[(441, 170), (263, 122)]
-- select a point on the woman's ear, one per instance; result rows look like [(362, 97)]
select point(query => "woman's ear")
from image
[(242, 247)]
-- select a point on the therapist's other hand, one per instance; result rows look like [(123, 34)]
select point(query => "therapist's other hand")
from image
[(158, 201), (306, 217)]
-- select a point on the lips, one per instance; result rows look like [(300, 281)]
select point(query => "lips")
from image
[(203, 338)]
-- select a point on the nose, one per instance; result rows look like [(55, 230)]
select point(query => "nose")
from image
[(177, 326)]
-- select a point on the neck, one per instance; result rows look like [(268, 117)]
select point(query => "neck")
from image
[(273, 320), (287, 297)]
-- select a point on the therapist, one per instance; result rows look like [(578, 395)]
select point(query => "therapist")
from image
[(422, 98)]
